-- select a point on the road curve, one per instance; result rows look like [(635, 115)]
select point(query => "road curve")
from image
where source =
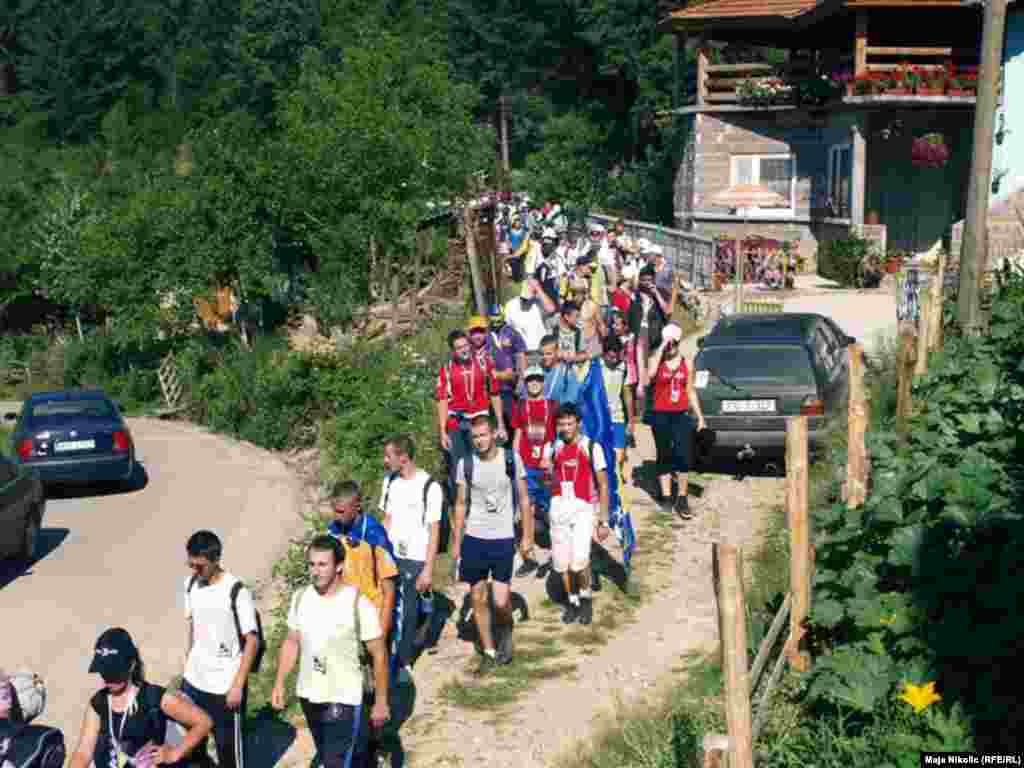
[(119, 558)]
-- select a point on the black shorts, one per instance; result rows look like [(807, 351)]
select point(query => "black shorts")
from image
[(486, 557)]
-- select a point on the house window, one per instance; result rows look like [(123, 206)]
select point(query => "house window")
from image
[(774, 172), (840, 175)]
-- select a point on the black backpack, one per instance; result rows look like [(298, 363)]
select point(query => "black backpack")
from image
[(510, 471), (31, 746), (444, 533), (261, 642)]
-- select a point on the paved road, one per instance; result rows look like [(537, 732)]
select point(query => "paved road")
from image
[(119, 559), (869, 316)]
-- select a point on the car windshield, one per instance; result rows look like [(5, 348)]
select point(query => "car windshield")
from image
[(759, 365), (53, 412)]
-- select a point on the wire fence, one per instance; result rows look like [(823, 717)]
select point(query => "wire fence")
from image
[(690, 255)]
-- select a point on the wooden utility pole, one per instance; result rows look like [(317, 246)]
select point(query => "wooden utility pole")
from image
[(797, 483), (974, 247), (734, 650), (503, 112), (423, 239), (469, 229), (857, 427)]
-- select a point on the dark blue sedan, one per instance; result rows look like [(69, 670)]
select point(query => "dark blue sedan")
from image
[(72, 437)]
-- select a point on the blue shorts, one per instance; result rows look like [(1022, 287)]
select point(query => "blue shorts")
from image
[(481, 558), (540, 493), (619, 435)]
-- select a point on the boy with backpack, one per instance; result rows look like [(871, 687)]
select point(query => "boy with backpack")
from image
[(533, 422), (224, 645), (490, 481), (579, 486), (411, 504)]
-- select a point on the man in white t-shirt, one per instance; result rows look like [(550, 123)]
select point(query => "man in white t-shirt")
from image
[(410, 503), (327, 622), (217, 664), (526, 315)]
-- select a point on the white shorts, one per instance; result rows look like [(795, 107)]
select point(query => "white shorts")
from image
[(572, 529)]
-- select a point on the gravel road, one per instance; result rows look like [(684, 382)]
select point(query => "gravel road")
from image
[(118, 559)]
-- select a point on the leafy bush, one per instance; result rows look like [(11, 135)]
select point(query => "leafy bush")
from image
[(128, 374), (922, 584), (840, 260)]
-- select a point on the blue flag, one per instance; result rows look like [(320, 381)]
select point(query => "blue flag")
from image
[(597, 425)]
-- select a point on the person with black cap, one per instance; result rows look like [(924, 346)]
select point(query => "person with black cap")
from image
[(126, 720)]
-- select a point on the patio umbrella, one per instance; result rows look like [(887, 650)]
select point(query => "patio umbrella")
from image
[(746, 196)]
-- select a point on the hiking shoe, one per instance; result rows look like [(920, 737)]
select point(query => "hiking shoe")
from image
[(544, 570), (570, 614), (528, 567), (487, 666), (683, 508), (586, 611), (504, 643)]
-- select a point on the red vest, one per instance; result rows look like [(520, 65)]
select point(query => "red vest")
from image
[(467, 388), (572, 465), (535, 420), (670, 389)]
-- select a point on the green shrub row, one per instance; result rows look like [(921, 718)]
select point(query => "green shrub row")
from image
[(922, 585), (840, 260)]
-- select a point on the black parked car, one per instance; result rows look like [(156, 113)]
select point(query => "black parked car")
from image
[(73, 436), (22, 504), (753, 371)]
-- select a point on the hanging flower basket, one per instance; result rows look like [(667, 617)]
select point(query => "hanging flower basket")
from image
[(929, 151)]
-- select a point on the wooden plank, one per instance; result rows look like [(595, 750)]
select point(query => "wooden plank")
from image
[(893, 66), (765, 649), (857, 425), (935, 323), (860, 45), (734, 652), (762, 705), (720, 97), (799, 537), (732, 82), (906, 357), (751, 67), (884, 50), (925, 304)]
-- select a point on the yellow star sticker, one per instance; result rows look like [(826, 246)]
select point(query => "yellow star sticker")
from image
[(920, 697)]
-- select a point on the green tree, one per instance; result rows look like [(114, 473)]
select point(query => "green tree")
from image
[(568, 166), (365, 146)]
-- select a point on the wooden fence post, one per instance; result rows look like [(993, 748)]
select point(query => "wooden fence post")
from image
[(937, 293), (469, 227), (906, 358), (734, 649), (857, 425), (921, 364), (424, 237), (799, 538)]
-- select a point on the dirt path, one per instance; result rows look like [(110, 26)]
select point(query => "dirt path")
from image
[(565, 678)]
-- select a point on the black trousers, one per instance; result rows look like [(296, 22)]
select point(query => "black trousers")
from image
[(334, 728), (673, 440), (227, 725)]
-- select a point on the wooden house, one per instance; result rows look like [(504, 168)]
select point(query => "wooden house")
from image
[(830, 122)]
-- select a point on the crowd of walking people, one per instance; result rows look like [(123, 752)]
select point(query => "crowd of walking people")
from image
[(537, 408)]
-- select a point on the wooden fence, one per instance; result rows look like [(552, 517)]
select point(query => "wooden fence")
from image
[(743, 684)]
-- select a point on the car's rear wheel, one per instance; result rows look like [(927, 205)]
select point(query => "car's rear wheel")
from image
[(30, 540)]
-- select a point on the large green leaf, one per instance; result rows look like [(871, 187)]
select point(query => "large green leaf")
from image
[(827, 612), (906, 545)]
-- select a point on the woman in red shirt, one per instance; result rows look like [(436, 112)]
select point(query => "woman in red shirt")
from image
[(674, 397)]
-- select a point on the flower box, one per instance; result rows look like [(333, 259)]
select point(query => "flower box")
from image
[(933, 89), (898, 91), (962, 92)]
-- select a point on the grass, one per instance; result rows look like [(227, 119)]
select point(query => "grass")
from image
[(667, 729)]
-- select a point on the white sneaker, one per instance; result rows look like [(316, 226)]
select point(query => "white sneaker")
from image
[(405, 676)]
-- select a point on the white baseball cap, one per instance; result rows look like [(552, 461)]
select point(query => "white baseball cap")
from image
[(656, 249), (672, 332), (644, 245)]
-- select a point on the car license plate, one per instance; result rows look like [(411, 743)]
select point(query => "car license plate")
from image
[(74, 445), (748, 406)]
